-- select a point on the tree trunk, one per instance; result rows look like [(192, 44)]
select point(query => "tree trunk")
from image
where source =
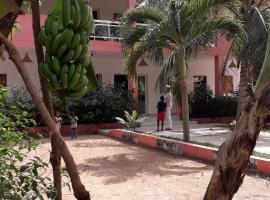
[(233, 157), (55, 157), (185, 109), (242, 87), (79, 190)]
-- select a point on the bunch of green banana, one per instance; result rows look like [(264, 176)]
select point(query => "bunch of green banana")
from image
[(65, 35)]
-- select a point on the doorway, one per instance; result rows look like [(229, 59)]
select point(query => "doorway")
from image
[(121, 81)]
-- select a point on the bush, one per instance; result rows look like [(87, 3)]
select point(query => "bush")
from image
[(204, 104), (17, 180), (103, 105)]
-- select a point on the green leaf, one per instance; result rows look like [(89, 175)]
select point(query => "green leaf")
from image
[(91, 75)]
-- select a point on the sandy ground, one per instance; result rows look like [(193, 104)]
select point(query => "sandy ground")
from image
[(112, 170)]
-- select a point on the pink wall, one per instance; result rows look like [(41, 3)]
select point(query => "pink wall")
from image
[(24, 39), (131, 3), (105, 46)]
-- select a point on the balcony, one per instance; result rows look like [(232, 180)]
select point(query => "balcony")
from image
[(106, 30), (106, 37)]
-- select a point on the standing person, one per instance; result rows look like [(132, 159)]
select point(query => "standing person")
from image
[(161, 106), (74, 125), (58, 120), (168, 101)]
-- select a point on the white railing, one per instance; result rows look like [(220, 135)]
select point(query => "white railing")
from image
[(106, 30), (110, 31)]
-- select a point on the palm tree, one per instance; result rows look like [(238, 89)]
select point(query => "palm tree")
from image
[(252, 15), (181, 27)]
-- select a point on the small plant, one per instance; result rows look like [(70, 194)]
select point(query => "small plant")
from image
[(232, 125), (21, 177), (132, 121)]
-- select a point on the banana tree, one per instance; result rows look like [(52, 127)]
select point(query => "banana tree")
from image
[(9, 11), (181, 27)]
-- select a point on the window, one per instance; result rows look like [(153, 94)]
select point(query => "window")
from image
[(99, 79), (95, 14), (3, 80), (199, 81)]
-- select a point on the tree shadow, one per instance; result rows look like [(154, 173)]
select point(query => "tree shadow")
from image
[(125, 166)]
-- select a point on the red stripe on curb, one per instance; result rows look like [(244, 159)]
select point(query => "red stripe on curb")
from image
[(198, 152), (263, 166), (116, 134), (147, 141)]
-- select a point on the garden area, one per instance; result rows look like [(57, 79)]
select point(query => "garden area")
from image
[(115, 151)]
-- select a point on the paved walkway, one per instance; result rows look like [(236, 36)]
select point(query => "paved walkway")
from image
[(212, 133)]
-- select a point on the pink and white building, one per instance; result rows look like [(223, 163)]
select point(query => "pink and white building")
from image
[(108, 59)]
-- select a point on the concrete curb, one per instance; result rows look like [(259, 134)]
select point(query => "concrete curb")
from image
[(179, 148)]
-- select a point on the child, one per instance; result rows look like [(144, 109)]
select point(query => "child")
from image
[(74, 120), (58, 120), (161, 106)]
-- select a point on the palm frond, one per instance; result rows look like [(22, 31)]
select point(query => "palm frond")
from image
[(128, 116), (134, 115), (204, 33), (132, 58), (198, 8), (145, 13), (257, 38), (132, 37), (120, 120), (169, 70)]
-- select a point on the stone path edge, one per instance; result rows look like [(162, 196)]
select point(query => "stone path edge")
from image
[(175, 147)]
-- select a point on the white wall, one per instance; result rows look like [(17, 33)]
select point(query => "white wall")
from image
[(13, 77), (202, 66), (109, 64), (108, 7)]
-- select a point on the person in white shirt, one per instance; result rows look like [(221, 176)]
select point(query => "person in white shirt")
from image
[(168, 101), (74, 125), (58, 120)]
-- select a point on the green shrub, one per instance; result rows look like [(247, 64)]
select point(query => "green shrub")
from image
[(20, 177), (103, 105), (204, 104), (132, 120)]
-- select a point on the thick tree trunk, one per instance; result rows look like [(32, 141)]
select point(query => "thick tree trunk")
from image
[(55, 157), (243, 87), (79, 190), (233, 157), (185, 109)]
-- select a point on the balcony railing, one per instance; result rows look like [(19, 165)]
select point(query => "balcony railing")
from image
[(106, 30), (110, 31)]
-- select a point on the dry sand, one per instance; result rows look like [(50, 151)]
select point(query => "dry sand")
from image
[(112, 170)]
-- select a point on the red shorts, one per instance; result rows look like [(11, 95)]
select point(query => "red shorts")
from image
[(161, 116)]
